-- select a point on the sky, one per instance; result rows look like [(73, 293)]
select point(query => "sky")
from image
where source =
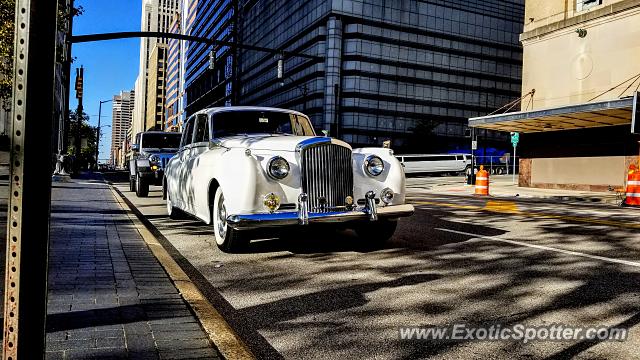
[(109, 66)]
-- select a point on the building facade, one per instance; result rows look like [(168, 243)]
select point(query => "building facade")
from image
[(173, 110), (203, 85), (405, 71), (156, 16), (123, 106), (156, 88), (580, 56)]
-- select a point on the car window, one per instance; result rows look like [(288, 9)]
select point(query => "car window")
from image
[(164, 140), (229, 123), (202, 129), (187, 134)]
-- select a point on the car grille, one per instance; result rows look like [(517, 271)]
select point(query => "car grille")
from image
[(327, 173), (164, 161)]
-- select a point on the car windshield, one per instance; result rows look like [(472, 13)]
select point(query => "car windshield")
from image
[(259, 122), (161, 141)]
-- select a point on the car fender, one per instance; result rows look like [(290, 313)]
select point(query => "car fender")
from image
[(392, 177)]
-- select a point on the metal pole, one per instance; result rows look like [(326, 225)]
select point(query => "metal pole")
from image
[(514, 164), (25, 298), (79, 112), (304, 98), (98, 138), (336, 91), (98, 134), (67, 79)]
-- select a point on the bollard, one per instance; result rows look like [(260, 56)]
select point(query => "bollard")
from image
[(482, 182)]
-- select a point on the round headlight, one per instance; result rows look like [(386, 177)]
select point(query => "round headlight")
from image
[(154, 159), (278, 168), (373, 165), (386, 195)]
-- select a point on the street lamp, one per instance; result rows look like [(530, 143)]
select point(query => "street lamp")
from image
[(98, 129)]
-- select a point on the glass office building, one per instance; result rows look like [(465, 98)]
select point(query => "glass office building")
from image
[(408, 71), (172, 110), (207, 85)]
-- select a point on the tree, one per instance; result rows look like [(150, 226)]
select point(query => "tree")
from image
[(88, 140), (7, 18)]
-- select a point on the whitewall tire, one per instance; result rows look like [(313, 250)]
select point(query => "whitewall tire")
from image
[(227, 238)]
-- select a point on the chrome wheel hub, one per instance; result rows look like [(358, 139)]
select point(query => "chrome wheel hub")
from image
[(222, 218)]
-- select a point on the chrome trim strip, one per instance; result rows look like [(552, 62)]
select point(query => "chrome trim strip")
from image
[(312, 142), (291, 218)]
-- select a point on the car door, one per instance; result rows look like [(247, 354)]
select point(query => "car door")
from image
[(182, 173), (199, 183)]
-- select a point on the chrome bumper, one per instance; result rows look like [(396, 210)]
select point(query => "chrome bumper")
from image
[(254, 221)]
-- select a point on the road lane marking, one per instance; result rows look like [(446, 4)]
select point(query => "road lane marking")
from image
[(219, 331), (542, 247), (509, 207), (535, 214)]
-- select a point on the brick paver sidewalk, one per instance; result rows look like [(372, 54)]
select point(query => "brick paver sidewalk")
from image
[(108, 295)]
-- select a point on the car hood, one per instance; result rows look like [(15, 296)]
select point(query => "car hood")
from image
[(265, 142)]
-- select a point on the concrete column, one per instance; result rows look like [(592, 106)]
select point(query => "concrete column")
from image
[(333, 66)]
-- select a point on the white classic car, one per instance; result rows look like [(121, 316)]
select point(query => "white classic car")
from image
[(242, 168)]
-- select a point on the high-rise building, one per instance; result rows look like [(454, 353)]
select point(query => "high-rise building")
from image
[(408, 71), (156, 88), (156, 16), (581, 57), (173, 110), (121, 121)]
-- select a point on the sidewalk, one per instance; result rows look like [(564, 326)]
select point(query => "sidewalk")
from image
[(502, 186), (108, 295)]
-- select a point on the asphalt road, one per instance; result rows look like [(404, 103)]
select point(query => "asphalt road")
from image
[(321, 294)]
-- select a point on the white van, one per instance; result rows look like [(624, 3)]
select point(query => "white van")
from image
[(446, 163)]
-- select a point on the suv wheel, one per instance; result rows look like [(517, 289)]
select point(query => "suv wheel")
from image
[(132, 184), (142, 187)]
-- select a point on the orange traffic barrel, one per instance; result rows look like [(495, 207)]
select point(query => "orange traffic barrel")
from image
[(633, 187), (482, 182)]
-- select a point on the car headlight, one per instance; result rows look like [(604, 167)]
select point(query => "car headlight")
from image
[(373, 165), (278, 168), (155, 159), (386, 195)]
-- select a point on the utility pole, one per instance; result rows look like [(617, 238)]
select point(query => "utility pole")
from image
[(25, 297), (79, 112), (98, 130)]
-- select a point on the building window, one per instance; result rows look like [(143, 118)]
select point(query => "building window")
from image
[(587, 4)]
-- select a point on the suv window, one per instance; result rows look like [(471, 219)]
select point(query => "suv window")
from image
[(187, 134), (202, 129)]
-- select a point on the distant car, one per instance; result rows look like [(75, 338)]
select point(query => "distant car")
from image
[(435, 164), (242, 168), (151, 152)]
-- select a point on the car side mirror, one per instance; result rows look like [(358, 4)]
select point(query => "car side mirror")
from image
[(135, 147)]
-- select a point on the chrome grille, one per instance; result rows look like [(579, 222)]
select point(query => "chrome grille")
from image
[(327, 173)]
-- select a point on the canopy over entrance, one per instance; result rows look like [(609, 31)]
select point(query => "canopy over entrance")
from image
[(580, 116)]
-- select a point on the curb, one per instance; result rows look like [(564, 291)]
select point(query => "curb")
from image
[(225, 339)]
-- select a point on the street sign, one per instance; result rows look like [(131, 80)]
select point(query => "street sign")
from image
[(474, 145), (515, 138)]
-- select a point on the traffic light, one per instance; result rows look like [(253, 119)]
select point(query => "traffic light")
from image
[(79, 82), (280, 67), (212, 60)]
